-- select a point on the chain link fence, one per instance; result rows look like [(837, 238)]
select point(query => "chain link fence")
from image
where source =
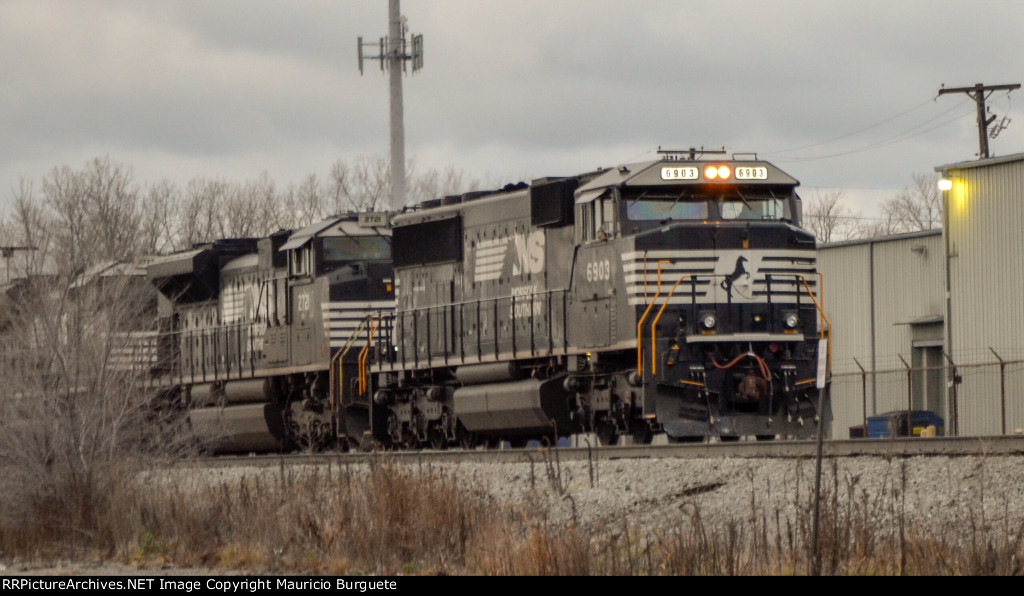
[(978, 399)]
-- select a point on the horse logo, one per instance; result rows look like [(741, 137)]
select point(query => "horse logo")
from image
[(738, 279)]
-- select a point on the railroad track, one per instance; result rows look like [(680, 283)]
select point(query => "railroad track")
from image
[(898, 447)]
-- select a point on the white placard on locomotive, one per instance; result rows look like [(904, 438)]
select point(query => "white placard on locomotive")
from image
[(374, 220), (679, 173), (751, 173)]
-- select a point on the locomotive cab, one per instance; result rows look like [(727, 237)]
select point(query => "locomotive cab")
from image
[(253, 329), (698, 288)]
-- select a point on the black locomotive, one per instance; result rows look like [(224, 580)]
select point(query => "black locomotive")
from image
[(675, 296), (255, 334)]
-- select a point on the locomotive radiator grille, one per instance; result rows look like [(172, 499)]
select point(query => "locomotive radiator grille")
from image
[(342, 318)]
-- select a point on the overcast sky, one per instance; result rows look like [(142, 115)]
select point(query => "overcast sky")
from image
[(841, 94)]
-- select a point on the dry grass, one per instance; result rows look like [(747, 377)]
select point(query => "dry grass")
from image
[(391, 520)]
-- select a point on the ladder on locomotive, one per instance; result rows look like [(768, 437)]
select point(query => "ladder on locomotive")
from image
[(370, 324)]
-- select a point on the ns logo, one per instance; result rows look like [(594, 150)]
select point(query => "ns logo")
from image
[(515, 255), (529, 253)]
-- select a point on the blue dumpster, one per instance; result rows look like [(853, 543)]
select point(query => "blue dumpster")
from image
[(895, 424)]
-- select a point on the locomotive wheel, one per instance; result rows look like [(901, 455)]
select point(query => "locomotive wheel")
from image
[(466, 439), (437, 438), (366, 444), (765, 437), (606, 433), (642, 433)]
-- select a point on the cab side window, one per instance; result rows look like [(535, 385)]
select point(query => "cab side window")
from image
[(598, 220), (301, 260), (608, 227)]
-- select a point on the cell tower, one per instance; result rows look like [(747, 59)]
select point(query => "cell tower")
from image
[(394, 52)]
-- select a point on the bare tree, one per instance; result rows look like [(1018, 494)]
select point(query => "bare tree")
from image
[(917, 208), (94, 211), (77, 420), (201, 211), (28, 228), (434, 184), (99, 213), (159, 225), (888, 224), (251, 209), (363, 186), (305, 204), (829, 219)]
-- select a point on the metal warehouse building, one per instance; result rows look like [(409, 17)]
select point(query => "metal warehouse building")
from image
[(935, 320)]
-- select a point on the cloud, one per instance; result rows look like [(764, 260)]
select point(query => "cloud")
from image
[(527, 89)]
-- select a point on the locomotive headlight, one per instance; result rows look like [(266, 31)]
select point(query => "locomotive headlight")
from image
[(713, 172), (791, 320), (708, 320)]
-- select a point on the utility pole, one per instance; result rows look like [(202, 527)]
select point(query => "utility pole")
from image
[(393, 56), (978, 93)]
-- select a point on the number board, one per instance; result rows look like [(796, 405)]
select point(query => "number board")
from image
[(679, 173), (751, 173), (374, 220)]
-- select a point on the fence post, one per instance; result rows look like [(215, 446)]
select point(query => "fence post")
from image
[(863, 396), (1002, 389), (910, 398), (953, 415)]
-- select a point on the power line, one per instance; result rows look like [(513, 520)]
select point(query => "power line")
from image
[(897, 138), (937, 222), (850, 134)]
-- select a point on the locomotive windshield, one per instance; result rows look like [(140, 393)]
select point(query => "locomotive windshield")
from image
[(644, 210), (357, 248), (736, 205), (752, 208)]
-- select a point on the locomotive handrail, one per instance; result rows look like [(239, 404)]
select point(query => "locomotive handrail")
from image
[(654, 324), (640, 324), (363, 355), (797, 280), (490, 307), (337, 387), (494, 298), (821, 312), (217, 337)]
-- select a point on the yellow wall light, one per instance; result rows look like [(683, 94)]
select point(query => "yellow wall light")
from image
[(945, 184)]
